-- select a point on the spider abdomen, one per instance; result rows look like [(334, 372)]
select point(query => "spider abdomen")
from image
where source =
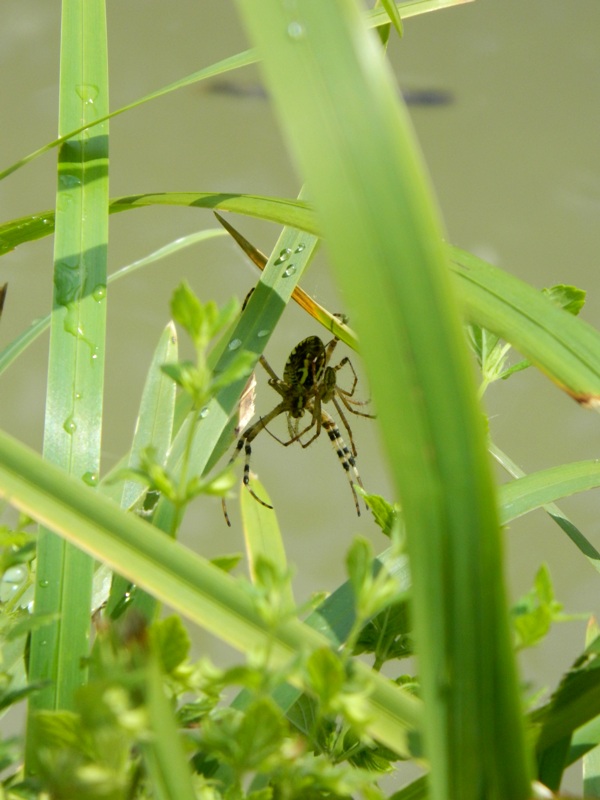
[(304, 367)]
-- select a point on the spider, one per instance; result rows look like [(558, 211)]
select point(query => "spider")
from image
[(309, 381)]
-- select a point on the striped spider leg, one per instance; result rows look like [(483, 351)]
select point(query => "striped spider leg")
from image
[(321, 419), (245, 443)]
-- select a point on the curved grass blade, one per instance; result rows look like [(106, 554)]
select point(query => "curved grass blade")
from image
[(563, 522), (355, 149), (541, 488), (294, 213), (562, 346), (182, 579)]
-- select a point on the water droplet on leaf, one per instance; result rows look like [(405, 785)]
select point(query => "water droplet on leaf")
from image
[(99, 292), (296, 30)]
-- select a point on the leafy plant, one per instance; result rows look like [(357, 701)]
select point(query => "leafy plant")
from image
[(301, 715)]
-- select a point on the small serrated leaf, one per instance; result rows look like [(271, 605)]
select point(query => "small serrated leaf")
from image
[(570, 298)]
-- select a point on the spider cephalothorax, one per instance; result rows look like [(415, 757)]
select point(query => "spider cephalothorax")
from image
[(308, 382)]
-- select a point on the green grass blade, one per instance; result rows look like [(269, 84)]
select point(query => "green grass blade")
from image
[(294, 213), (355, 149), (562, 346), (154, 428), (263, 538), (179, 577), (541, 488), (154, 425), (564, 523), (76, 362)]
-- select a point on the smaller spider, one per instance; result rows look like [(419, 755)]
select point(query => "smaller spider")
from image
[(308, 383)]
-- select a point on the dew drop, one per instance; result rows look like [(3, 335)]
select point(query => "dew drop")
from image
[(289, 271), (296, 30), (300, 248), (43, 584), (87, 92), (77, 395), (67, 181), (234, 344), (263, 333), (91, 478), (283, 256), (69, 425), (204, 412), (99, 292)]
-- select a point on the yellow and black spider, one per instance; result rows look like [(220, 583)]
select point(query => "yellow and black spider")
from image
[(308, 383)]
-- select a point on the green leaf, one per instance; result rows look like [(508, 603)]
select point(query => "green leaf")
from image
[(189, 378), (172, 642), (568, 297), (535, 612), (386, 515), (392, 12), (189, 312), (237, 369)]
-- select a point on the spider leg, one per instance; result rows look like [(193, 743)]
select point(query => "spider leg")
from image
[(245, 443), (294, 433), (345, 360), (346, 396), (351, 404), (270, 371), (345, 456), (346, 425), (317, 420), (329, 348)]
